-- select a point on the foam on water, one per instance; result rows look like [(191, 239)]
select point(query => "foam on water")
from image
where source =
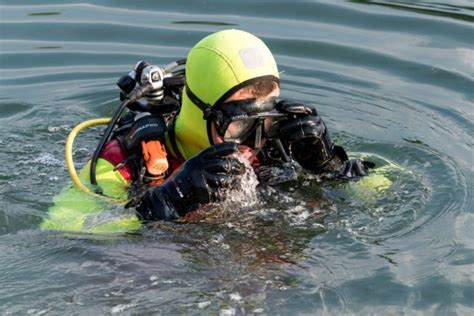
[(48, 159), (60, 128)]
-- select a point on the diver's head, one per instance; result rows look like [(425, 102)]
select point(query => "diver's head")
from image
[(229, 74), (246, 117)]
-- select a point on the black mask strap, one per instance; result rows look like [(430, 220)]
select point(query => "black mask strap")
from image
[(210, 110), (209, 113)]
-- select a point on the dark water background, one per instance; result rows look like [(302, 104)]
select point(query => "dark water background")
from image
[(393, 78)]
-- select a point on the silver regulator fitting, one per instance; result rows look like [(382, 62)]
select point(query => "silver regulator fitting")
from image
[(154, 76), (150, 80)]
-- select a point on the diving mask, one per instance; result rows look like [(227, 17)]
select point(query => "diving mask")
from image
[(247, 120)]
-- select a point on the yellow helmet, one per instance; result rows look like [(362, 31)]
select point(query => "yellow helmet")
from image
[(216, 67)]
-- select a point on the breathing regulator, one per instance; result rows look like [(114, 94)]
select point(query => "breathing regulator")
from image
[(151, 82), (152, 93)]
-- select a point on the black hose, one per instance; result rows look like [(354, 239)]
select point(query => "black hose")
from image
[(103, 140), (132, 97), (176, 81), (282, 150)]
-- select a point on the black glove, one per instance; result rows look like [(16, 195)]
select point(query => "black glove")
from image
[(306, 135), (198, 181), (350, 169), (311, 146)]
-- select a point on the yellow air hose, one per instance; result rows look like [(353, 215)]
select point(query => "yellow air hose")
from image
[(68, 150)]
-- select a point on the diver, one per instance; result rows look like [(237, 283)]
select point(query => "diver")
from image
[(182, 153), (190, 132)]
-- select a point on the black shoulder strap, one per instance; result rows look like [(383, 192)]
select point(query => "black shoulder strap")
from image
[(172, 139)]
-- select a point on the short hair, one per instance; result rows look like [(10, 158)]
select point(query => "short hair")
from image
[(262, 88)]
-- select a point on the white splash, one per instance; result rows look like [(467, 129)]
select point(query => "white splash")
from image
[(60, 128), (202, 305), (235, 297), (227, 311), (121, 308), (244, 191)]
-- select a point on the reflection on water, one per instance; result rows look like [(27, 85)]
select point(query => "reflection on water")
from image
[(393, 81), (448, 10), (44, 13), (49, 47), (206, 23)]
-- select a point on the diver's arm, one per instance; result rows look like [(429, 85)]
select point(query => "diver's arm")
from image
[(311, 146), (198, 181)]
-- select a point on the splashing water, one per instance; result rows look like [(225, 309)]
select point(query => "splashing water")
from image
[(277, 174), (240, 195), (244, 191)]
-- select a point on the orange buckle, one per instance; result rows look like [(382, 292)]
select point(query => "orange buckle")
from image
[(155, 157)]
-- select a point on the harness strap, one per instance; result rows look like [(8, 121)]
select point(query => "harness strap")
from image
[(172, 139)]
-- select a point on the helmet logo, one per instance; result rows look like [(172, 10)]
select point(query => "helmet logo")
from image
[(251, 57)]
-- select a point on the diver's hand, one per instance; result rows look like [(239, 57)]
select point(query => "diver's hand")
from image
[(303, 122), (306, 135), (354, 168), (198, 181)]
